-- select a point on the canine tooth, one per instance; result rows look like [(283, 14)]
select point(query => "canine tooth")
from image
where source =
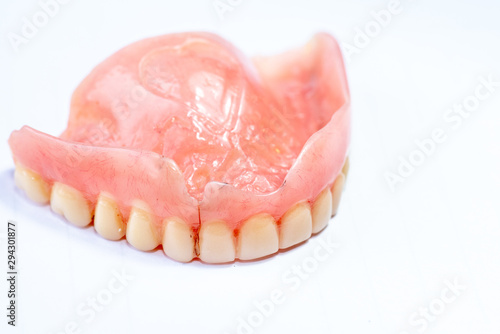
[(216, 242), (258, 237), (321, 210), (34, 186), (296, 225), (337, 188), (71, 204), (140, 230), (178, 240), (108, 221)]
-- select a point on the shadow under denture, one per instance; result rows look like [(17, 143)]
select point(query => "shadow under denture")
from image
[(258, 237), (8, 187)]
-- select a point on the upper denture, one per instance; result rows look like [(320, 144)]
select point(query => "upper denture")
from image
[(187, 125)]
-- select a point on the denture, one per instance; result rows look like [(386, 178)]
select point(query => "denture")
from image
[(182, 141)]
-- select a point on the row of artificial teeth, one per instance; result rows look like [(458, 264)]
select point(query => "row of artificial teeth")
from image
[(215, 242)]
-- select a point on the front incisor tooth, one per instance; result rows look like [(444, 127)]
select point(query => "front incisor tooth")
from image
[(141, 232), (216, 242), (296, 225), (178, 240), (321, 210), (71, 204), (34, 186), (258, 237), (337, 188), (108, 220)]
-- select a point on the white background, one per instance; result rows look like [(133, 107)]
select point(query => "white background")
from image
[(396, 249)]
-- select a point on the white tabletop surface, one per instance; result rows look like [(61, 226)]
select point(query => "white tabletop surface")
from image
[(418, 255)]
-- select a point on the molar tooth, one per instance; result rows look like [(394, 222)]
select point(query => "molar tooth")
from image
[(345, 168), (337, 188), (216, 242), (71, 204), (108, 221), (296, 225), (34, 186), (140, 230), (258, 237), (321, 210), (178, 239)]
